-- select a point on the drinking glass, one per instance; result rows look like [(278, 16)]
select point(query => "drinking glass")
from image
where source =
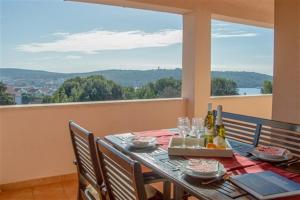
[(183, 125), (197, 128)]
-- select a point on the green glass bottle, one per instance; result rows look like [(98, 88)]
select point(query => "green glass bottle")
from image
[(209, 125)]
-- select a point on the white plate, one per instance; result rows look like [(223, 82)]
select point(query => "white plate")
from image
[(287, 156), (152, 143), (222, 171)]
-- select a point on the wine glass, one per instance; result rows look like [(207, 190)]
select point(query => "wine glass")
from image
[(183, 125), (197, 128)]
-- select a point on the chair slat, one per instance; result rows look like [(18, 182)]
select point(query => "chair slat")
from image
[(281, 132), (81, 140), (238, 139), (85, 158), (294, 142), (238, 136), (121, 188), (240, 123), (242, 133), (118, 172), (120, 179), (250, 130)]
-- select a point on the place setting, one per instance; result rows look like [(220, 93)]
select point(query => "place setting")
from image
[(203, 171), (278, 156), (141, 143)]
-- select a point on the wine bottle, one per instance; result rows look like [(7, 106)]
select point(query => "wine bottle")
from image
[(209, 126), (219, 140)]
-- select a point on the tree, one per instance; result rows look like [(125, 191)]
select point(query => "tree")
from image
[(223, 87), (5, 98), (91, 88), (129, 93), (267, 87), (162, 88), (27, 98), (47, 99)]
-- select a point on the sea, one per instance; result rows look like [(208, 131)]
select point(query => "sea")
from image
[(249, 91)]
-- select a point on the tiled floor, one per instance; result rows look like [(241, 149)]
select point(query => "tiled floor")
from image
[(66, 190), (58, 191)]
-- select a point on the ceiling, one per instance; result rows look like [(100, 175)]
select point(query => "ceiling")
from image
[(258, 12)]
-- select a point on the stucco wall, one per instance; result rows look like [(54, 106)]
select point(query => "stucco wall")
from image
[(258, 106), (35, 140)]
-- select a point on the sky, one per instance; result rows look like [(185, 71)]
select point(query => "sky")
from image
[(64, 36)]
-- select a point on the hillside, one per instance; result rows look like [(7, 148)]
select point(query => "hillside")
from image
[(126, 77), (244, 79)]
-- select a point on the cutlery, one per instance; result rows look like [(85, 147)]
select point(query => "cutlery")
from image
[(224, 177), (287, 163)]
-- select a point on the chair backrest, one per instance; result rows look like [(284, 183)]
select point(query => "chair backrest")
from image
[(122, 175), (259, 131), (281, 134), (85, 153), (241, 127)]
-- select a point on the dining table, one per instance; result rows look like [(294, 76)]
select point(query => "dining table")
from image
[(171, 167)]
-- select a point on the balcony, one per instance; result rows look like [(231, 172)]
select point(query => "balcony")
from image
[(36, 153)]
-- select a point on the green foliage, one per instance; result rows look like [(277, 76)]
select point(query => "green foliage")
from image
[(97, 88), (5, 98), (162, 88), (47, 99), (31, 98), (92, 88), (129, 93), (223, 87), (27, 98), (267, 87)]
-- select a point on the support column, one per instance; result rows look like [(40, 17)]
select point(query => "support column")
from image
[(286, 86), (196, 73)]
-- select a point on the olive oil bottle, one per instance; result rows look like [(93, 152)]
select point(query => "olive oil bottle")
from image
[(219, 140), (209, 126)]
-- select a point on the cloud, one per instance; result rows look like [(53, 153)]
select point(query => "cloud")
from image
[(60, 34), (231, 30), (232, 34), (94, 41), (72, 57)]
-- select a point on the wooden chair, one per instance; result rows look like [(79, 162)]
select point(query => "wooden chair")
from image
[(122, 176), (258, 131), (282, 134), (87, 163)]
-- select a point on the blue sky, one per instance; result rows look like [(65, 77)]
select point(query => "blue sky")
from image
[(63, 36)]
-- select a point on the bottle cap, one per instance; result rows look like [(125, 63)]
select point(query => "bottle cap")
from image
[(209, 107), (219, 115), (219, 108)]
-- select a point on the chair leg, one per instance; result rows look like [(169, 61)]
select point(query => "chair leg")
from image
[(103, 196), (80, 191), (79, 197), (167, 190)]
